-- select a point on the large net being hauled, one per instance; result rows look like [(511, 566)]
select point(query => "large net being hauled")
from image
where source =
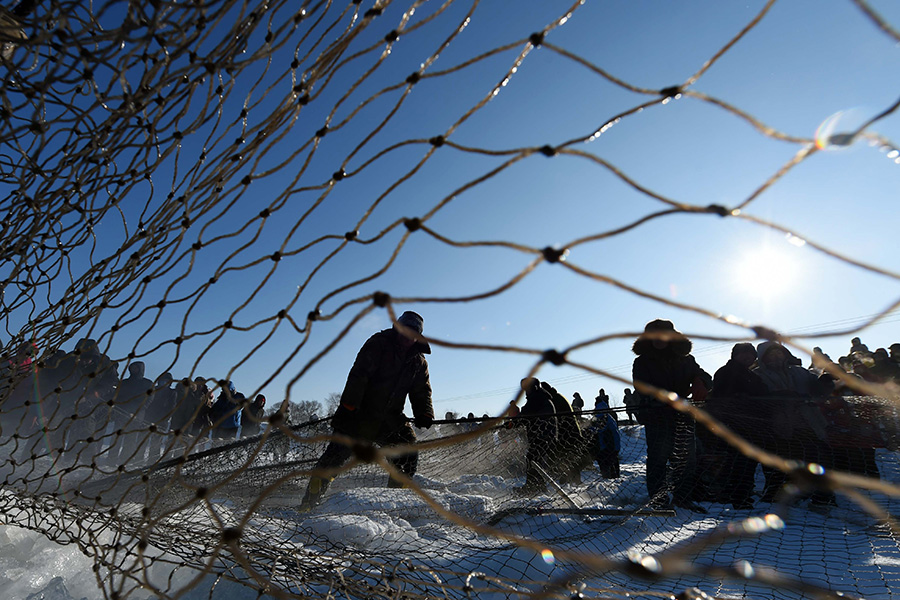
[(223, 188)]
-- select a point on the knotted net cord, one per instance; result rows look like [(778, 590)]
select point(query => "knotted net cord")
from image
[(170, 169)]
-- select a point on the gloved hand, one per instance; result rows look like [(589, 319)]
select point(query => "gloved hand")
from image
[(424, 422)]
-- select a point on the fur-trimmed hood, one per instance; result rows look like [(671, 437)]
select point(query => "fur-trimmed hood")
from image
[(677, 343), (679, 346)]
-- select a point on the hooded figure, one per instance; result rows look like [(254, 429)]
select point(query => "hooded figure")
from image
[(799, 426), (390, 366), (254, 415), (664, 361), (779, 370)]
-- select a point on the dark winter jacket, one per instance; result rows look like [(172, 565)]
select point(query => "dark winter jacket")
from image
[(378, 383), (133, 393), (541, 426), (159, 409), (734, 380), (227, 407), (568, 428), (671, 368), (791, 379), (255, 414)]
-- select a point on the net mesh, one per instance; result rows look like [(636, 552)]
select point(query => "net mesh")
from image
[(222, 187)]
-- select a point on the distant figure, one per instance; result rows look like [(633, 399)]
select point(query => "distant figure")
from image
[(184, 410), (884, 370), (201, 398), (577, 402), (158, 413), (778, 369), (733, 381), (664, 361), (630, 401), (390, 366), (541, 432), (132, 394), (95, 387), (604, 441), (253, 416), (857, 347), (569, 457), (225, 413)]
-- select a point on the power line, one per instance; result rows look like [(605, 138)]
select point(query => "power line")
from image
[(701, 350)]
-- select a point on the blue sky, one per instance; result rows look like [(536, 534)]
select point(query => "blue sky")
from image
[(803, 63)]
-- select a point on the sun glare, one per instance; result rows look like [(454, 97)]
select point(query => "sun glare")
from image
[(766, 273)]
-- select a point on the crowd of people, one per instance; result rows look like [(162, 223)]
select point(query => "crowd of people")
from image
[(764, 394), (75, 406)]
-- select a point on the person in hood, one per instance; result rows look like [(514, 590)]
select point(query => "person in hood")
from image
[(389, 367), (778, 369), (254, 415), (664, 361)]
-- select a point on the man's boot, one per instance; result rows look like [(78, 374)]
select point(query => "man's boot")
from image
[(314, 493)]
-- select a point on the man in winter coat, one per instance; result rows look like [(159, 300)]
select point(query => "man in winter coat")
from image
[(158, 413), (664, 361), (226, 412), (97, 378), (390, 366), (735, 386), (569, 456), (132, 394), (539, 420)]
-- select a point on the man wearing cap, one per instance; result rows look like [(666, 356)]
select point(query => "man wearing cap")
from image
[(390, 366)]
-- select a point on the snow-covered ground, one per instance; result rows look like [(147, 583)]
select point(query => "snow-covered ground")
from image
[(838, 548)]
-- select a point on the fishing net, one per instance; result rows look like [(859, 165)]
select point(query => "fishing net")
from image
[(205, 193)]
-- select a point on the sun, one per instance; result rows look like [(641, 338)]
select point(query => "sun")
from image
[(766, 273)]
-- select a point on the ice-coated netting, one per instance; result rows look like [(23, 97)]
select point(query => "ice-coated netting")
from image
[(222, 187)]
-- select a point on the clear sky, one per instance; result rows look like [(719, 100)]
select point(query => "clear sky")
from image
[(806, 66)]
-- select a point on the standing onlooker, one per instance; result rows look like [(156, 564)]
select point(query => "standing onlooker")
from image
[(664, 361), (630, 400), (777, 368), (538, 418), (253, 416), (604, 439), (735, 381), (158, 414), (132, 394), (225, 413), (569, 456)]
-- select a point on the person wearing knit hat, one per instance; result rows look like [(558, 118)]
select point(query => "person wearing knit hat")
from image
[(664, 362), (390, 366)]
